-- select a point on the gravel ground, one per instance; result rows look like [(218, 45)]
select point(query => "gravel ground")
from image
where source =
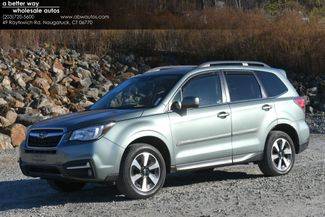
[(229, 191)]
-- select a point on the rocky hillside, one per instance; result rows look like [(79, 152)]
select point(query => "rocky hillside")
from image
[(38, 84)]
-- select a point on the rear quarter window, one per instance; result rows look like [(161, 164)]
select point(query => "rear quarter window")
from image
[(273, 86)]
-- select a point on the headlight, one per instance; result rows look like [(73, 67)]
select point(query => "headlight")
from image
[(90, 133)]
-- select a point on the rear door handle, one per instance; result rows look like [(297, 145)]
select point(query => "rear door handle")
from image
[(266, 107), (223, 114)]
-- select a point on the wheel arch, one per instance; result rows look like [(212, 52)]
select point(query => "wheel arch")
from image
[(156, 142), (291, 131)]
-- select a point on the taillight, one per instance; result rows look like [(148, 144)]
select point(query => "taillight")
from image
[(300, 101)]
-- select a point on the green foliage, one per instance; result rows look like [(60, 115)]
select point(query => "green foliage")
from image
[(319, 12), (273, 7), (313, 7)]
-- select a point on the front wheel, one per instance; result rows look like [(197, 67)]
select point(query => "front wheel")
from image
[(279, 154), (142, 172), (65, 186)]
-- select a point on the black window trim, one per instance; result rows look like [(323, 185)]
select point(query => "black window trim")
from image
[(204, 73), (242, 72), (264, 95)]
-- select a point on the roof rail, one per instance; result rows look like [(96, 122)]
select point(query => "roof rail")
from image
[(166, 68), (232, 63)]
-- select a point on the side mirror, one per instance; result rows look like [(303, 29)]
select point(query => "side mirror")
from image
[(176, 106), (190, 102)]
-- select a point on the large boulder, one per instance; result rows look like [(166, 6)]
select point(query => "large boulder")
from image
[(6, 83), (90, 57), (57, 66), (84, 77), (58, 110), (46, 75), (44, 65), (92, 93), (83, 73), (17, 134), (43, 84), (3, 66), (35, 92), (41, 102), (19, 77), (58, 70), (83, 64), (58, 90), (9, 118), (5, 142), (85, 83), (2, 102), (19, 104)]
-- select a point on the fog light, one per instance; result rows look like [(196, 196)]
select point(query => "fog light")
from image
[(79, 167)]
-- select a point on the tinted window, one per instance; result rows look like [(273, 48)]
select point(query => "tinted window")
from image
[(243, 87), (206, 87), (138, 92), (271, 83)]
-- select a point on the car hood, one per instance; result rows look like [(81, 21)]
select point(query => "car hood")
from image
[(79, 120)]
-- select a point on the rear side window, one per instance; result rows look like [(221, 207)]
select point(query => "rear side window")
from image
[(272, 84), (243, 86)]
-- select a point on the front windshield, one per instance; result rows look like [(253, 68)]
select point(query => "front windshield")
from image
[(138, 92)]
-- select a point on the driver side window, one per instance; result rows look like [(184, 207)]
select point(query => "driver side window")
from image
[(206, 87)]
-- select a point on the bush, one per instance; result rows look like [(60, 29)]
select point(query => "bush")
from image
[(288, 40)]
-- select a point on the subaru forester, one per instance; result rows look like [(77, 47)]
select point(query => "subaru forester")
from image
[(170, 119)]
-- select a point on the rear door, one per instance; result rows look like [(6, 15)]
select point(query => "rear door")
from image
[(252, 113)]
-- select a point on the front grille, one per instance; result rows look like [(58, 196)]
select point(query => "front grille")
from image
[(44, 137), (30, 151)]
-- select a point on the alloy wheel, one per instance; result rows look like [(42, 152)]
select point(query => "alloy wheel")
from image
[(281, 154), (145, 171)]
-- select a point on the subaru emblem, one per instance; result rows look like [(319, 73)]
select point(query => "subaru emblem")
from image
[(42, 135)]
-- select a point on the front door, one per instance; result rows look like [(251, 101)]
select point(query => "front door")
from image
[(202, 136)]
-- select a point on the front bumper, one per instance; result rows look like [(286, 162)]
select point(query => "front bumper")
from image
[(96, 161), (84, 172)]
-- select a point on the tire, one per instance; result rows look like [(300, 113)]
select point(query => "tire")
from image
[(279, 154), (65, 186), (140, 178)]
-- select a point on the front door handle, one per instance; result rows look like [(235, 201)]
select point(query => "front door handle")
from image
[(223, 114), (266, 107)]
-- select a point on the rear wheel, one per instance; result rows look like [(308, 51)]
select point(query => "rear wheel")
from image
[(66, 186), (279, 154), (142, 172)]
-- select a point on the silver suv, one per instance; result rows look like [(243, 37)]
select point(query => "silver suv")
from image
[(171, 119)]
